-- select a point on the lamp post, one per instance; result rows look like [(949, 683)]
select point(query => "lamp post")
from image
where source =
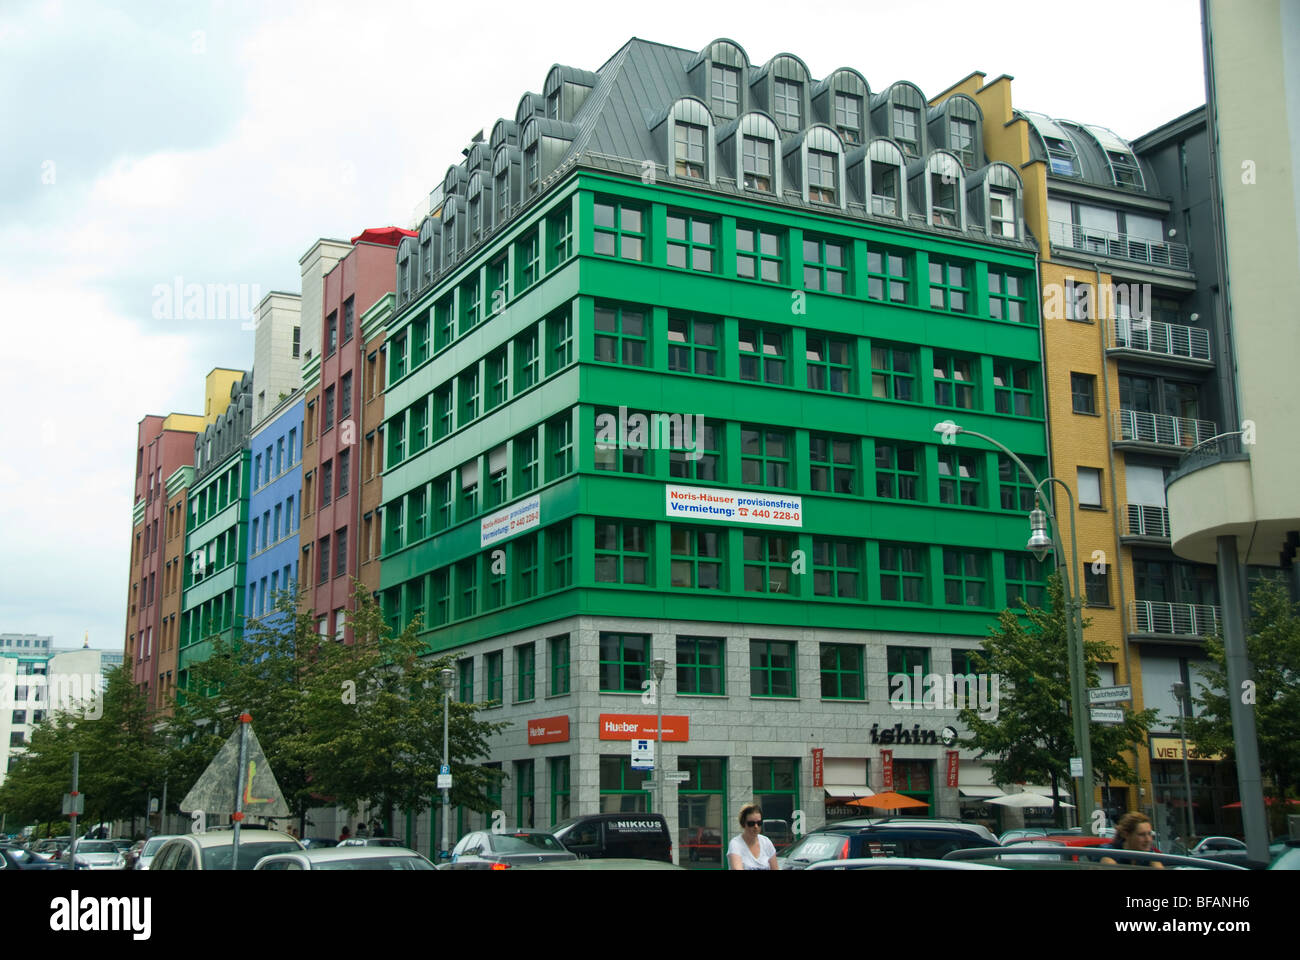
[(657, 666), (1179, 690), (444, 677), (1040, 543)]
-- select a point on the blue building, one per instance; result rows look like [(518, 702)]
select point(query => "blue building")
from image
[(275, 508)]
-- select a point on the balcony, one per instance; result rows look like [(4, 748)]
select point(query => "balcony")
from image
[(1118, 246), (1146, 523), (1159, 431), (1162, 619), (1153, 340)]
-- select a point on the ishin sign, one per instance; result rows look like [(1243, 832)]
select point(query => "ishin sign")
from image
[(631, 726), (549, 730)]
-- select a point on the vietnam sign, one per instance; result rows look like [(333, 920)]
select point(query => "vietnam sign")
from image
[(709, 503)]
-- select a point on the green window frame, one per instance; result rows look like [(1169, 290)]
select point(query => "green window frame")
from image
[(950, 285), (622, 551), (467, 385), (776, 786), (842, 674), (622, 789), (558, 650), (527, 463), (1009, 297), (830, 363), (701, 666), (765, 456), (837, 568), (498, 380), (692, 242), (622, 335), (395, 430), (470, 297), (397, 358), (1013, 388), (444, 502), (767, 562), (1015, 492), (393, 528), (440, 597), (467, 588), (528, 360), (825, 265), (525, 562), (494, 667), (902, 573), (693, 344), (954, 381), (697, 554), (419, 342), (415, 600), (963, 661), (620, 230), (902, 662), (559, 341), (465, 672), (444, 413), (959, 478), (469, 486), (758, 253), (893, 372), (772, 668), (495, 584), (617, 456), (529, 256), (444, 324), (525, 673), (525, 790), (415, 515), (763, 354), (708, 444), (419, 426), (560, 230), (498, 485), (559, 441), (832, 461), (559, 548), (561, 800), (498, 277), (1025, 580), (965, 578), (624, 664)]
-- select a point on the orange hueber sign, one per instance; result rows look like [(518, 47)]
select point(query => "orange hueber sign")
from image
[(631, 726), (549, 730)]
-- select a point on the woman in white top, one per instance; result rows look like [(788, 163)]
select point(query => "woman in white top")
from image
[(751, 850)]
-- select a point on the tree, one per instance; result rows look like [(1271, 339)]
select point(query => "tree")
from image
[(1273, 646), (1032, 737)]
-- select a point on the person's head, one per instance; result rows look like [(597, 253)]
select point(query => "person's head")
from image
[(346, 832), (751, 818), (1135, 832)]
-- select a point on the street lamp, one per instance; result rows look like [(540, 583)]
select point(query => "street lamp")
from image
[(1040, 543), (657, 666), (1179, 690), (444, 678)]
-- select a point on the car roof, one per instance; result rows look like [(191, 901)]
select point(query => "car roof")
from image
[(862, 823), (348, 853), (224, 838), (602, 863)]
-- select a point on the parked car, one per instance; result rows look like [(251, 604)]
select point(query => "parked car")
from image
[(150, 850), (864, 837), (1058, 856), (634, 836), (605, 863), (14, 857), (213, 850), (484, 850), (52, 849), (97, 855), (370, 842), (347, 858), (1288, 858), (319, 843)]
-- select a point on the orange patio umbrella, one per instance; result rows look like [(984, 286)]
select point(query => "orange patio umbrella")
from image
[(889, 800)]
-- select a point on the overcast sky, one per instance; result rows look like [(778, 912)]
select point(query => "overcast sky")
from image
[(141, 142)]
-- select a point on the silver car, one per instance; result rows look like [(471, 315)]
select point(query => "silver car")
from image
[(98, 855), (151, 848), (347, 858)]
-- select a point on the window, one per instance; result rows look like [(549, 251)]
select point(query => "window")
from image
[(893, 372), (903, 663), (689, 141), (444, 331), (1013, 389), (786, 104), (468, 489), (830, 364), (1002, 214), (326, 482), (498, 284), (525, 792), (776, 786), (327, 419), (841, 665), (443, 412), (837, 569), (498, 477), (297, 342), (943, 199), (1015, 491), (524, 557), (349, 315), (560, 230), (898, 474), (528, 360), (341, 552), (467, 579), (560, 806), (961, 140), (492, 664), (531, 172), (1024, 580), (559, 654), (624, 662), (443, 503), (331, 333), (691, 242), (1083, 393), (1061, 157), (693, 345), (948, 286), (470, 298), (765, 457), (1008, 297), (1124, 169), (848, 117), (498, 380), (884, 188), (902, 573), (621, 335), (559, 340), (1096, 585), (393, 526), (559, 441), (965, 578), (724, 83), (559, 540), (623, 454), (526, 462), (701, 663), (756, 163), (622, 552), (954, 381), (767, 562), (467, 392), (323, 549), (825, 266), (823, 176), (501, 197), (701, 457), (466, 670), (833, 463), (620, 231), (758, 254), (1089, 487), (696, 558), (345, 471), (762, 354), (959, 478), (771, 668), (529, 254), (907, 129)]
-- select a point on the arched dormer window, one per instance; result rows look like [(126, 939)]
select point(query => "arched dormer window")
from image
[(430, 247), (719, 76), (958, 124), (687, 131), (454, 181), (545, 144), (751, 146), (994, 198), (943, 189), (453, 229), (1123, 165), (404, 270), (503, 131), (878, 170), (1062, 154), (782, 85), (817, 160), (841, 101), (565, 91), (505, 182), (899, 113), (530, 105), (477, 197)]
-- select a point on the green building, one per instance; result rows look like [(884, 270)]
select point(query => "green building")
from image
[(790, 282)]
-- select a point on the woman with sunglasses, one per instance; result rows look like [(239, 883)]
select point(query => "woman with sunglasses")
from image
[(750, 850)]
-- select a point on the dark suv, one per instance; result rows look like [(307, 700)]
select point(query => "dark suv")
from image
[(886, 837), (634, 836)]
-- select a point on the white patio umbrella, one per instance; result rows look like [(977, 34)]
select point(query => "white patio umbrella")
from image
[(1026, 800)]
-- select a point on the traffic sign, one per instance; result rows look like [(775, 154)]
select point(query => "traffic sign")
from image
[(444, 770), (643, 754), (1110, 694), (74, 804), (1103, 715), (1076, 766), (444, 781)]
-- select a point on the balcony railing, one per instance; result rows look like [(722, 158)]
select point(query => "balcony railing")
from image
[(1168, 339), (1159, 428), (1148, 521), (1175, 619), (1121, 246), (1220, 449)]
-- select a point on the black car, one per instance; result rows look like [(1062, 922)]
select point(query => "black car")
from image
[(632, 836), (485, 850), (13, 857), (886, 837)]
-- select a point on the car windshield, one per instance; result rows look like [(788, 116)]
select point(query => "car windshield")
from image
[(524, 842), (218, 858), (152, 846), (817, 846), (95, 846), (376, 863)]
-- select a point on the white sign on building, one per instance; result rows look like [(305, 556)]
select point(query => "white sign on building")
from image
[(735, 506)]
